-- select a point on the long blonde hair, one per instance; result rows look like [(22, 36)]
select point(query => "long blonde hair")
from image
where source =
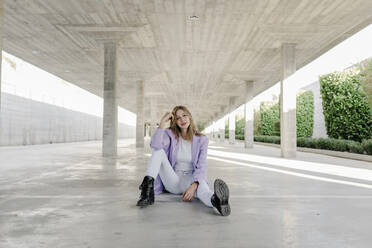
[(191, 130)]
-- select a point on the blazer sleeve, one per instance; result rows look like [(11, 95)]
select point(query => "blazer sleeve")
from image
[(160, 140), (201, 166)]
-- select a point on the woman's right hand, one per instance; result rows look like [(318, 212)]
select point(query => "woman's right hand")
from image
[(167, 117)]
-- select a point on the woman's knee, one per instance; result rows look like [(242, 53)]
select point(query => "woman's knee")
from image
[(158, 152)]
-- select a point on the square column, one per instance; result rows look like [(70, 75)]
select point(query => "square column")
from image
[(140, 141), (1, 49), (222, 130), (153, 109), (232, 127), (248, 116), (288, 136), (147, 128), (110, 106), (213, 130)]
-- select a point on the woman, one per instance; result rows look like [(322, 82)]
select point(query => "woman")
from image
[(178, 164)]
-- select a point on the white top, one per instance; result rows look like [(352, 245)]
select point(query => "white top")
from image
[(184, 158)]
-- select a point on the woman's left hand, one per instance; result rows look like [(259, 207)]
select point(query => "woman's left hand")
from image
[(189, 193)]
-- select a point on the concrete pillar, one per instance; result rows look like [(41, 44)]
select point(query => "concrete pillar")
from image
[(1, 49), (140, 142), (222, 130), (248, 116), (214, 130), (153, 116), (147, 128), (232, 127), (232, 121), (110, 107), (288, 137)]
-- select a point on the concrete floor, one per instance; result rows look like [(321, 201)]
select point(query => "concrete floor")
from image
[(67, 195)]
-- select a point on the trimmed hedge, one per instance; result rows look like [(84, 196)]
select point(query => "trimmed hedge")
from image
[(325, 144), (367, 146), (346, 111), (257, 123), (305, 114), (269, 116), (239, 128), (366, 79), (268, 139)]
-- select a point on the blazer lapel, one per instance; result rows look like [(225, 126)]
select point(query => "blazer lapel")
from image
[(194, 144)]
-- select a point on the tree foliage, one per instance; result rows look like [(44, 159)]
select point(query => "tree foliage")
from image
[(346, 110)]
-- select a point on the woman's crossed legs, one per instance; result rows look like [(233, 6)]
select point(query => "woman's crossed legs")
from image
[(175, 183)]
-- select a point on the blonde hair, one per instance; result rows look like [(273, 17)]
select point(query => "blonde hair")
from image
[(191, 130)]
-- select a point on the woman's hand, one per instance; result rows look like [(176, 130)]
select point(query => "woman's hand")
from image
[(189, 193), (167, 117)]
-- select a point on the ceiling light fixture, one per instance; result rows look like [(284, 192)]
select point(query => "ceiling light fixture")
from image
[(193, 18)]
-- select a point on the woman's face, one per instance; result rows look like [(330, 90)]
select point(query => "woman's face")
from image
[(182, 119)]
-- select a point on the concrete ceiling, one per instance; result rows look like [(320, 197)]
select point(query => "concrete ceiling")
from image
[(199, 63)]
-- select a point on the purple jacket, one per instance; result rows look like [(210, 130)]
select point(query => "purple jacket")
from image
[(166, 140)]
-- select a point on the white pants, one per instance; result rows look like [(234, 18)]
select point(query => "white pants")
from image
[(176, 182)]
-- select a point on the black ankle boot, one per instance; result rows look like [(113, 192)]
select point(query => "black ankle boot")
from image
[(220, 198), (147, 194)]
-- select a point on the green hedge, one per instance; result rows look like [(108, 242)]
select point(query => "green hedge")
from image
[(257, 123), (267, 139), (346, 111), (269, 118), (305, 114), (367, 146), (325, 144), (331, 144), (366, 79), (239, 128)]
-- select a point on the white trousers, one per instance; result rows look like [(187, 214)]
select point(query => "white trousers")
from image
[(176, 182)]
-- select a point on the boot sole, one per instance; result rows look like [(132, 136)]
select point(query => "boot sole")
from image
[(222, 192)]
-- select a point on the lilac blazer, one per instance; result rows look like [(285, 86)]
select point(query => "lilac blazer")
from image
[(166, 140)]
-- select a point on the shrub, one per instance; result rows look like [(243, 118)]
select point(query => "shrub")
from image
[(366, 79), (257, 122), (269, 116), (239, 128), (346, 111), (226, 129), (325, 144), (322, 143), (367, 146), (355, 147), (305, 114), (267, 139), (301, 142), (339, 145)]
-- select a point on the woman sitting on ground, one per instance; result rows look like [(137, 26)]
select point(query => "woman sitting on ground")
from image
[(178, 164)]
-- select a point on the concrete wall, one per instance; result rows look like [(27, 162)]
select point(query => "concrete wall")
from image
[(319, 130), (28, 122)]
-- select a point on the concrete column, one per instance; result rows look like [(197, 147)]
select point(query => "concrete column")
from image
[(232, 127), (248, 116), (147, 128), (214, 130), (288, 136), (153, 116), (140, 142), (222, 130), (110, 106), (1, 49)]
